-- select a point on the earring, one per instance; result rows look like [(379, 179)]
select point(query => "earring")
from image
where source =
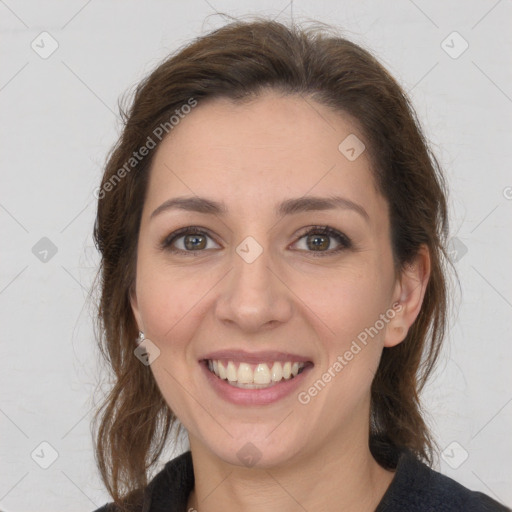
[(140, 338)]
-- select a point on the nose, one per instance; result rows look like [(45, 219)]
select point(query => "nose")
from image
[(254, 295)]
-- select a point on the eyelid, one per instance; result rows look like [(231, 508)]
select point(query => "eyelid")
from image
[(343, 240), (169, 239)]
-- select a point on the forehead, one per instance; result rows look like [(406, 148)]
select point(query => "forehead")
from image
[(259, 151)]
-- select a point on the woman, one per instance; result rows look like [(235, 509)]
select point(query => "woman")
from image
[(272, 228)]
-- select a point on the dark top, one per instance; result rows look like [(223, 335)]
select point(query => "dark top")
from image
[(415, 488)]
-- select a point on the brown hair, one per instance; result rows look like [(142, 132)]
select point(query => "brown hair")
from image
[(237, 61)]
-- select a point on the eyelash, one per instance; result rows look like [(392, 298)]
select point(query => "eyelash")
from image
[(344, 241)]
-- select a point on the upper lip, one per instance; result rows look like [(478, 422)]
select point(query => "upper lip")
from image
[(255, 357)]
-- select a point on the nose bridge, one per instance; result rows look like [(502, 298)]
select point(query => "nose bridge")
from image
[(253, 295), (252, 267)]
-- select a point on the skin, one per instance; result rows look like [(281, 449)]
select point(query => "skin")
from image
[(253, 156)]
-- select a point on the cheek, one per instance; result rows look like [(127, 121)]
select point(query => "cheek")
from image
[(172, 305), (167, 300), (350, 305), (348, 302)]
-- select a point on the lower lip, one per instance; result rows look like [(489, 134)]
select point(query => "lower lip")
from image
[(265, 396)]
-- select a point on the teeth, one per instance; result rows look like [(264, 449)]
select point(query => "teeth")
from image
[(260, 376), (221, 371), (277, 372), (245, 374), (231, 372), (287, 370)]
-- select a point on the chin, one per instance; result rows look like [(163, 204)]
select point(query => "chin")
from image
[(256, 451)]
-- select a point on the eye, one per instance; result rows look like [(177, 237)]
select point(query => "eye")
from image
[(317, 240), (193, 239), (189, 239)]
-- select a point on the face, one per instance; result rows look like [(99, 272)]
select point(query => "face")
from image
[(266, 275)]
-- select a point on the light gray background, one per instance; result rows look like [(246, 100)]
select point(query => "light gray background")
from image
[(58, 122)]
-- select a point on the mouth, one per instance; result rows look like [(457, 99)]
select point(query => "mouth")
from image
[(255, 375)]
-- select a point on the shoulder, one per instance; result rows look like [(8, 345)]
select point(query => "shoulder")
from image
[(168, 490), (418, 488)]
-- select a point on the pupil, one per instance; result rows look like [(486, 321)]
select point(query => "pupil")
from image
[(320, 245), (191, 240)]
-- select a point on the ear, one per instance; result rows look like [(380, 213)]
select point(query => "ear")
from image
[(135, 307), (408, 297)]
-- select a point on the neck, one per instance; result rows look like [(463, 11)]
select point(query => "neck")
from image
[(338, 475)]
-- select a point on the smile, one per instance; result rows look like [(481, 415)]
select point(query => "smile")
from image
[(249, 378), (254, 376)]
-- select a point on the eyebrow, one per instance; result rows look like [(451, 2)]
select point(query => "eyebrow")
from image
[(287, 207)]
